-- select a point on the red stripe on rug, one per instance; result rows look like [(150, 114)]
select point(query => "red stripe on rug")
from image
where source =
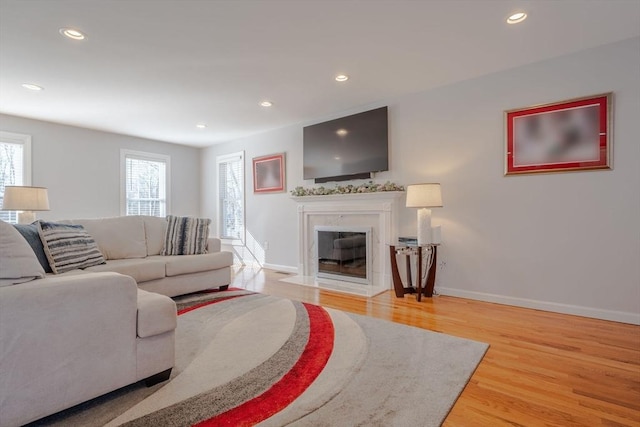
[(204, 304), (312, 361)]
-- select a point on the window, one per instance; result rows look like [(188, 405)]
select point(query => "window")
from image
[(15, 166), (145, 179), (231, 196)]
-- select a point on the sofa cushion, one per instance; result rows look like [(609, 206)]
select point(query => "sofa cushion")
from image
[(118, 238), (31, 235), (142, 270), (186, 236), (71, 273), (155, 229), (156, 314), (18, 262), (186, 264), (68, 246)]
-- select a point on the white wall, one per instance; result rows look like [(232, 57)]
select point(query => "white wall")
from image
[(567, 242), (81, 168)]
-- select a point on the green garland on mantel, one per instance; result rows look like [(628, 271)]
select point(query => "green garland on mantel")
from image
[(368, 187)]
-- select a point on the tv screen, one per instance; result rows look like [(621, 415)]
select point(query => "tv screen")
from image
[(347, 148)]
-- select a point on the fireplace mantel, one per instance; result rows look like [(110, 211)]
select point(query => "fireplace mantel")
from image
[(340, 198), (379, 210)]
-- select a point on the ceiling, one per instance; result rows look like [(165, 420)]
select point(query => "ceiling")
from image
[(155, 69)]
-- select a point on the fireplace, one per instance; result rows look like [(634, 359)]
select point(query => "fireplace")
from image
[(344, 253), (374, 213)]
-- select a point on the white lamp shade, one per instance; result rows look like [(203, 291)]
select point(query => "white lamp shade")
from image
[(424, 196), (25, 199)]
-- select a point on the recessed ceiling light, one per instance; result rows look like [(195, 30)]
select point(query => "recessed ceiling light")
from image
[(31, 86), (266, 103), (342, 132), (72, 33), (516, 18), (342, 78), (201, 126)]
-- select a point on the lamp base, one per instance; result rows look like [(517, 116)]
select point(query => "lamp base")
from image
[(26, 217), (424, 226)]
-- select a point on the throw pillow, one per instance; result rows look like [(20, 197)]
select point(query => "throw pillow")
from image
[(68, 246), (18, 263), (31, 235), (186, 236)]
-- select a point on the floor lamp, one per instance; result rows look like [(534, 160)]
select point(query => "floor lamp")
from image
[(424, 197), (26, 200)]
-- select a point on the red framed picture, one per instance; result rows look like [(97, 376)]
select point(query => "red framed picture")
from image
[(268, 173), (563, 136)]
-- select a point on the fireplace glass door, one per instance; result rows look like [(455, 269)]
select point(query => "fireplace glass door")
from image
[(343, 255)]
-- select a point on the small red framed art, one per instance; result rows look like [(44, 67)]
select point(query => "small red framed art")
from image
[(268, 174), (563, 136)]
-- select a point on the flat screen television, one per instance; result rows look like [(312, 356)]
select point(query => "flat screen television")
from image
[(351, 147)]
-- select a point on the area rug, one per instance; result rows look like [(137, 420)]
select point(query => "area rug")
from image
[(246, 359)]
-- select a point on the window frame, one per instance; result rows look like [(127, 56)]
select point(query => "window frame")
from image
[(143, 155), (25, 141), (225, 158)]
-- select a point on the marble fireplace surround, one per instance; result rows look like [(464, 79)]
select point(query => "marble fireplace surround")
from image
[(380, 211)]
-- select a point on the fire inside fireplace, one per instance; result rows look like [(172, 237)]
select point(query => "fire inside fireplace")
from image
[(344, 253)]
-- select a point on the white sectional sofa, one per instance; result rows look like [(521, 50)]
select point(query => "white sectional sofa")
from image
[(68, 338), (132, 245)]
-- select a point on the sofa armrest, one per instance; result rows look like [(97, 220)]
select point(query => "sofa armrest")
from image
[(64, 340), (213, 244)]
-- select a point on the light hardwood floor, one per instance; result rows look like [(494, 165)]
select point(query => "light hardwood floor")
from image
[(542, 369)]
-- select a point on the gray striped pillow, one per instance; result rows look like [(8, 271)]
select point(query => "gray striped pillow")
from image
[(68, 246), (186, 236)]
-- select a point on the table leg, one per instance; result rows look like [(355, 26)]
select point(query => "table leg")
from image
[(419, 278), (395, 275), (408, 265), (431, 276)]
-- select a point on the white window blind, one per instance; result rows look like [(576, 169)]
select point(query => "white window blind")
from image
[(231, 196), (15, 165), (146, 182)]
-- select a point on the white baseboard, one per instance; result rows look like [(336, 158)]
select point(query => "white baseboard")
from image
[(277, 267), (577, 310), (596, 313)]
